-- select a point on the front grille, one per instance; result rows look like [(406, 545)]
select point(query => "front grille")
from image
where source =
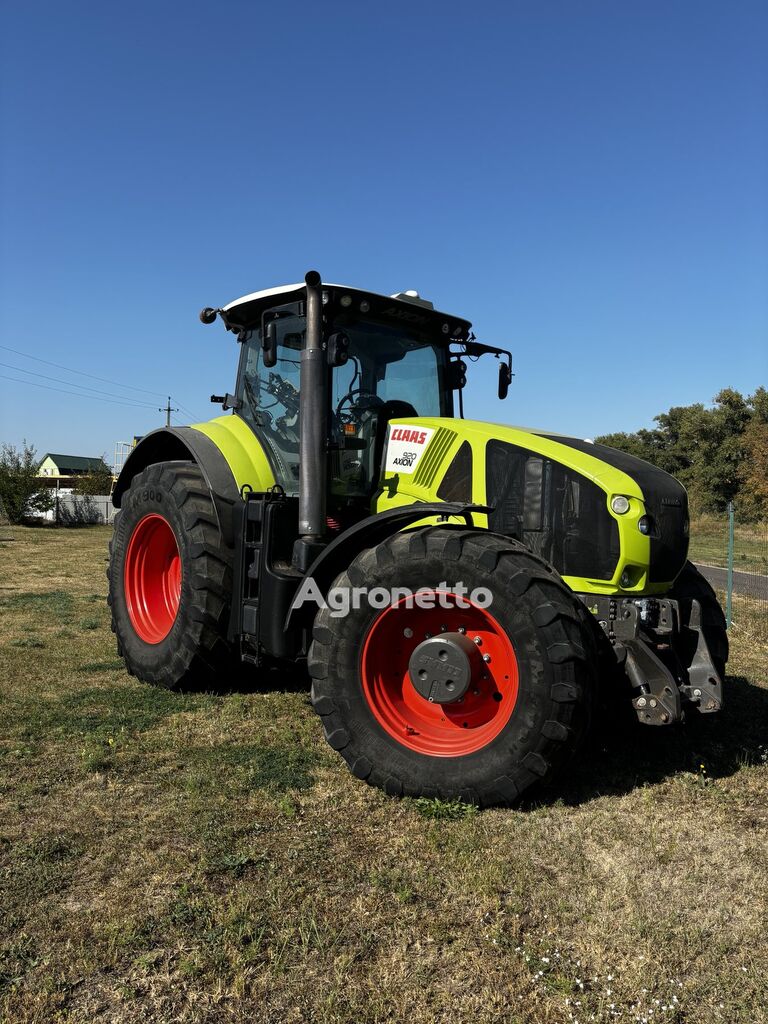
[(669, 540), (665, 500), (555, 511)]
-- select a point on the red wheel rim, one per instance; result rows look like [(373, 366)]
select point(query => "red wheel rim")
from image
[(152, 578), (441, 730)]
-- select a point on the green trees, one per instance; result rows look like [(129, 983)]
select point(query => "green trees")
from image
[(753, 472), (719, 454), (95, 482), (21, 493)]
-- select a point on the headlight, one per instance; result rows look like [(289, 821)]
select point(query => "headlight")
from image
[(645, 525), (620, 504)]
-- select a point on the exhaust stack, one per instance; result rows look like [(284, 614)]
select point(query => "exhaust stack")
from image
[(313, 383)]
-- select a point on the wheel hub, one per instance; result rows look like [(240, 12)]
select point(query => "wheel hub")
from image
[(442, 668), (152, 578)]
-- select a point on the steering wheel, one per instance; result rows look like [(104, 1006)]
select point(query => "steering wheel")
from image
[(353, 398)]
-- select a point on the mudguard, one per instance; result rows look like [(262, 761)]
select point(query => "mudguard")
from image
[(170, 444), (367, 534)]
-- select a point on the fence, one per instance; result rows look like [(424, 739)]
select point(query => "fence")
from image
[(733, 554), (81, 510)]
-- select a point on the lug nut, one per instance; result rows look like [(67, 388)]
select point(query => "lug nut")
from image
[(462, 629), (408, 633), (641, 702), (652, 702), (486, 657), (697, 693), (476, 640), (443, 629)]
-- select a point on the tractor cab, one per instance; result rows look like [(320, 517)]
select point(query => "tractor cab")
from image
[(387, 357)]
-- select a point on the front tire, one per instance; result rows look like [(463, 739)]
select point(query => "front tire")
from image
[(170, 580), (529, 703)]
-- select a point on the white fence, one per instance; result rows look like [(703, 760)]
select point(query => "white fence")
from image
[(81, 510)]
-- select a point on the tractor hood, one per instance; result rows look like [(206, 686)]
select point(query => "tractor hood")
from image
[(599, 515)]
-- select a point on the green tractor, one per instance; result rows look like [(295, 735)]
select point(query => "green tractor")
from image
[(462, 593)]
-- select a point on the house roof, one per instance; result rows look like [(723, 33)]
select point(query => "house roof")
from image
[(77, 463)]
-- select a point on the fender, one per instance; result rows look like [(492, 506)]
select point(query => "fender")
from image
[(170, 444), (367, 534)]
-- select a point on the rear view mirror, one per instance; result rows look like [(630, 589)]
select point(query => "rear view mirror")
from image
[(269, 341), (505, 377)]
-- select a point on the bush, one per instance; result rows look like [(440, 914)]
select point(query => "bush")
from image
[(79, 511), (21, 495), (96, 482)]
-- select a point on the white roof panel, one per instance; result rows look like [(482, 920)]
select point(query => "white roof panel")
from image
[(288, 289)]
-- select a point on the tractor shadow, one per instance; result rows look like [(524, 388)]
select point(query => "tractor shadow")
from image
[(247, 679), (622, 756)]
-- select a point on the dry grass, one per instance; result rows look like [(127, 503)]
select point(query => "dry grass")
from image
[(709, 543), (168, 858)]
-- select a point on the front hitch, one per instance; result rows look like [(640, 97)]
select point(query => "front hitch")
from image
[(669, 668)]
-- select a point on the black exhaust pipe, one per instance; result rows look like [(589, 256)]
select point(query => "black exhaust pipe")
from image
[(313, 383)]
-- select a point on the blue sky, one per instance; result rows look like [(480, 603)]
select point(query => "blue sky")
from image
[(586, 182)]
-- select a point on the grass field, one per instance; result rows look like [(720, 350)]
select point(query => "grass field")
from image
[(207, 859), (709, 543)]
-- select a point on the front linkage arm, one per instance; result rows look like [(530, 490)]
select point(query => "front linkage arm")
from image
[(669, 666)]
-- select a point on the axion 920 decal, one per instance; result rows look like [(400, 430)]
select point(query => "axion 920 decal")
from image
[(405, 446)]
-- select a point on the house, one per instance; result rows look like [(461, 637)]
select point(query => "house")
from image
[(64, 469)]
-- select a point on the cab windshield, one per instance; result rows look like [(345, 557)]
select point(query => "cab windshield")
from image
[(393, 371)]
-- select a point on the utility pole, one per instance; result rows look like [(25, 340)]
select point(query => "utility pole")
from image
[(167, 410)]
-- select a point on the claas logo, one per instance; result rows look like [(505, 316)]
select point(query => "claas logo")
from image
[(408, 434)]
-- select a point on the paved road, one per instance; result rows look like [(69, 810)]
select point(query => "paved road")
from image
[(751, 584)]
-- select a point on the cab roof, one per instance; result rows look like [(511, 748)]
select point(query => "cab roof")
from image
[(248, 308)]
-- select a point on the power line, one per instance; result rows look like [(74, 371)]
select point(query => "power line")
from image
[(82, 373), (187, 412), (106, 394), (92, 398)]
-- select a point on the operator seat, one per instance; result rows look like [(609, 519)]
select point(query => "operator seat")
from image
[(392, 409)]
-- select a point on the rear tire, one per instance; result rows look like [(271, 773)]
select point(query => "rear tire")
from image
[(170, 580), (391, 737)]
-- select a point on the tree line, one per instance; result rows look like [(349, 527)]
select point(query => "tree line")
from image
[(719, 454)]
